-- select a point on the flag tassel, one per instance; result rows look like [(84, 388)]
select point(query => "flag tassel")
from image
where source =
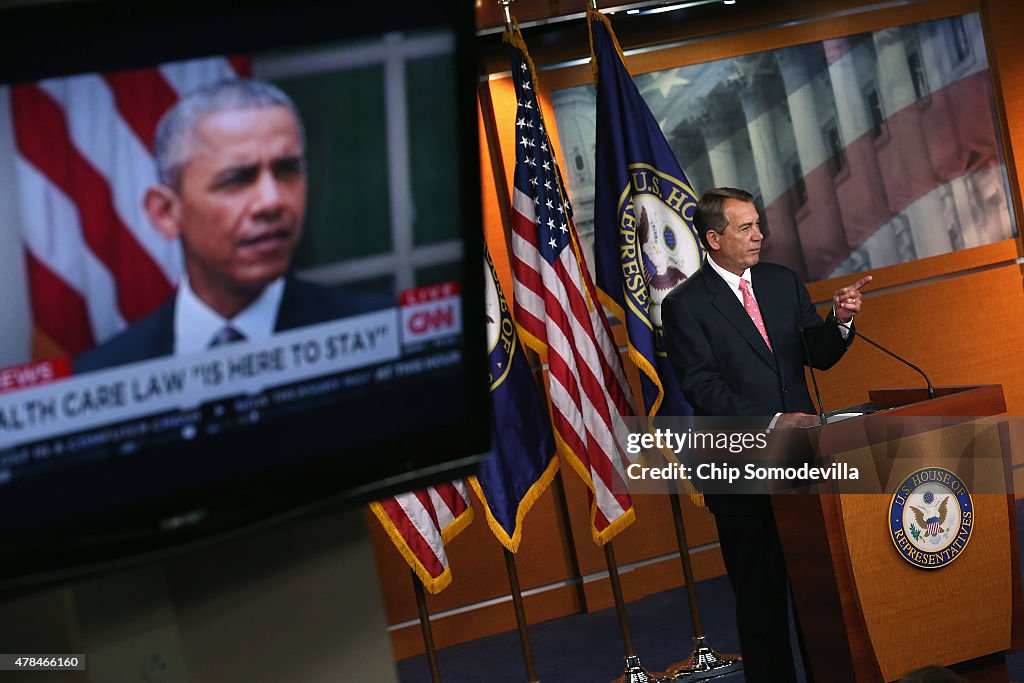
[(428, 634), (517, 604), (704, 661), (634, 672)]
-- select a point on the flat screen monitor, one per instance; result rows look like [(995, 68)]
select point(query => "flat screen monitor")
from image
[(240, 269)]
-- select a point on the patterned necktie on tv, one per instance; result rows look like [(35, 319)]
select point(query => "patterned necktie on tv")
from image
[(227, 335)]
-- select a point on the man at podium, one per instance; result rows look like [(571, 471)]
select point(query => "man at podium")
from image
[(738, 333)]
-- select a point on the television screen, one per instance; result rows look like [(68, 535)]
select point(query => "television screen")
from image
[(240, 272)]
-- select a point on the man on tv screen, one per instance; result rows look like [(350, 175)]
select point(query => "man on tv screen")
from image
[(231, 187)]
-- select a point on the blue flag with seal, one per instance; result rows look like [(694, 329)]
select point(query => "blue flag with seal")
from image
[(644, 240), (522, 462)]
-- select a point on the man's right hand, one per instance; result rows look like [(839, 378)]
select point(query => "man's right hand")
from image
[(796, 421)]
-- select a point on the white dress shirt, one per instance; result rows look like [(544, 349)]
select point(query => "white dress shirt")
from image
[(196, 324), (733, 280)]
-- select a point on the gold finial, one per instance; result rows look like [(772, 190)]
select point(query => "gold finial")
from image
[(508, 14)]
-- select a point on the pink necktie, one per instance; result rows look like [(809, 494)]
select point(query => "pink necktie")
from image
[(750, 304)]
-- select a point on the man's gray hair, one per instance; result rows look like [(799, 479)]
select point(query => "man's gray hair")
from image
[(709, 214), (173, 134)]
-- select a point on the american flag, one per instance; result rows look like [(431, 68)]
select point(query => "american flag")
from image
[(558, 314), (82, 150), (419, 523)]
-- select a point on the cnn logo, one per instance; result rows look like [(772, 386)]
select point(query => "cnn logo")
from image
[(431, 320)]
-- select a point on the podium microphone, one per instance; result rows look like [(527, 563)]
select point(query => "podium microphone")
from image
[(814, 380), (931, 389)]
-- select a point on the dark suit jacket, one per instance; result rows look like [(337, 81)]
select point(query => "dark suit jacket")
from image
[(302, 303), (723, 365)]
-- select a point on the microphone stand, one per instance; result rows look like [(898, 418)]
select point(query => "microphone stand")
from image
[(807, 357), (931, 389)]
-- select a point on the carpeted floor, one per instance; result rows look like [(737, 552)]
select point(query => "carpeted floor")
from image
[(587, 647)]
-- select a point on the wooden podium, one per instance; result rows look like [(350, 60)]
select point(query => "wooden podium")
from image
[(868, 615)]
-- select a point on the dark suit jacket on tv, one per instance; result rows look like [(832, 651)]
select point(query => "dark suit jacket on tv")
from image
[(302, 303), (723, 365)]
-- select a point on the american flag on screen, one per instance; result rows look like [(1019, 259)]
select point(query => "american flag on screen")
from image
[(556, 307), (83, 150), (419, 523)]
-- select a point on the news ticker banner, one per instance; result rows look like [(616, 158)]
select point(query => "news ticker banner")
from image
[(127, 392), (43, 401), (874, 454)]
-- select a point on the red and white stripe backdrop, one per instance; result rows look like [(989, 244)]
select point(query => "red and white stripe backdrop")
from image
[(421, 522), (82, 149)]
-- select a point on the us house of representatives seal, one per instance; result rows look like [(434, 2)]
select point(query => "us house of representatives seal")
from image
[(659, 245), (931, 517)]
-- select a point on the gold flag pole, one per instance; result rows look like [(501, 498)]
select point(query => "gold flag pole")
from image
[(510, 558), (517, 604), (704, 661), (428, 635), (634, 671), (505, 4)]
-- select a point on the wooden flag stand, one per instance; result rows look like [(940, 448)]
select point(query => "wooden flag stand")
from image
[(517, 604), (634, 671), (704, 661), (428, 635)]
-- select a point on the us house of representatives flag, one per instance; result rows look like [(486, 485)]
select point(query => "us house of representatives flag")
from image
[(522, 462), (556, 308), (644, 240)]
